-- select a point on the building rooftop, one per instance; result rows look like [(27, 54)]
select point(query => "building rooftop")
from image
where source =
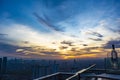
[(84, 74)]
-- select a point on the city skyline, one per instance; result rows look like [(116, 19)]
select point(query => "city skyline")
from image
[(59, 29)]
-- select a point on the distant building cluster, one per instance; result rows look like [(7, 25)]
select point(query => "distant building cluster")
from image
[(22, 69)]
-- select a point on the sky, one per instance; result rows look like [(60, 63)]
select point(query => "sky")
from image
[(59, 29)]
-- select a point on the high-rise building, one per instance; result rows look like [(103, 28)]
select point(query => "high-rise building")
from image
[(0, 65), (114, 58), (35, 71), (55, 67), (4, 65)]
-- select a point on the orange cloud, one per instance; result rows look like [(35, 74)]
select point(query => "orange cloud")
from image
[(81, 56)]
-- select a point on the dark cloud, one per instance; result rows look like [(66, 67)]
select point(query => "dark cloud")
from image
[(25, 42), (95, 34), (53, 43), (2, 34), (7, 48), (109, 44), (4, 38), (63, 47), (89, 48), (50, 53), (73, 49), (116, 30), (85, 45), (38, 50), (95, 39), (78, 54), (69, 43), (47, 23)]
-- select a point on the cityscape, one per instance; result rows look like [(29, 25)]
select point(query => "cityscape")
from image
[(24, 69), (59, 40), (21, 69)]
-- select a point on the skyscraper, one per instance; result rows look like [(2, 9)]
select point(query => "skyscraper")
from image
[(0, 65), (4, 65)]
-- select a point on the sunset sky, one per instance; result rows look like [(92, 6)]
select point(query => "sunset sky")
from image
[(59, 29)]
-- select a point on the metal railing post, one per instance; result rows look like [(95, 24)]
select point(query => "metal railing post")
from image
[(79, 76)]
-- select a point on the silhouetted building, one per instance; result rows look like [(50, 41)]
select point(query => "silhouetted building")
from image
[(4, 65), (55, 67), (74, 67), (35, 71), (0, 65), (114, 58)]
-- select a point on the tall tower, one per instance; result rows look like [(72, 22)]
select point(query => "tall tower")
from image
[(114, 58)]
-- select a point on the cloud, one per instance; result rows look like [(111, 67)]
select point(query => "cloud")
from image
[(63, 47), (90, 48), (94, 34), (37, 50), (75, 18), (3, 37), (73, 49), (8, 48), (25, 42), (109, 44), (85, 45), (50, 53), (26, 34), (95, 39), (2, 34), (69, 43), (19, 50), (115, 30), (74, 36), (47, 24)]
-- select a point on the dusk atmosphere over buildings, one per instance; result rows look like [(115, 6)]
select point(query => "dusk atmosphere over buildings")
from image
[(49, 37)]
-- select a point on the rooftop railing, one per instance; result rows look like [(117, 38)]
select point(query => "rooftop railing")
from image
[(65, 75), (56, 76)]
